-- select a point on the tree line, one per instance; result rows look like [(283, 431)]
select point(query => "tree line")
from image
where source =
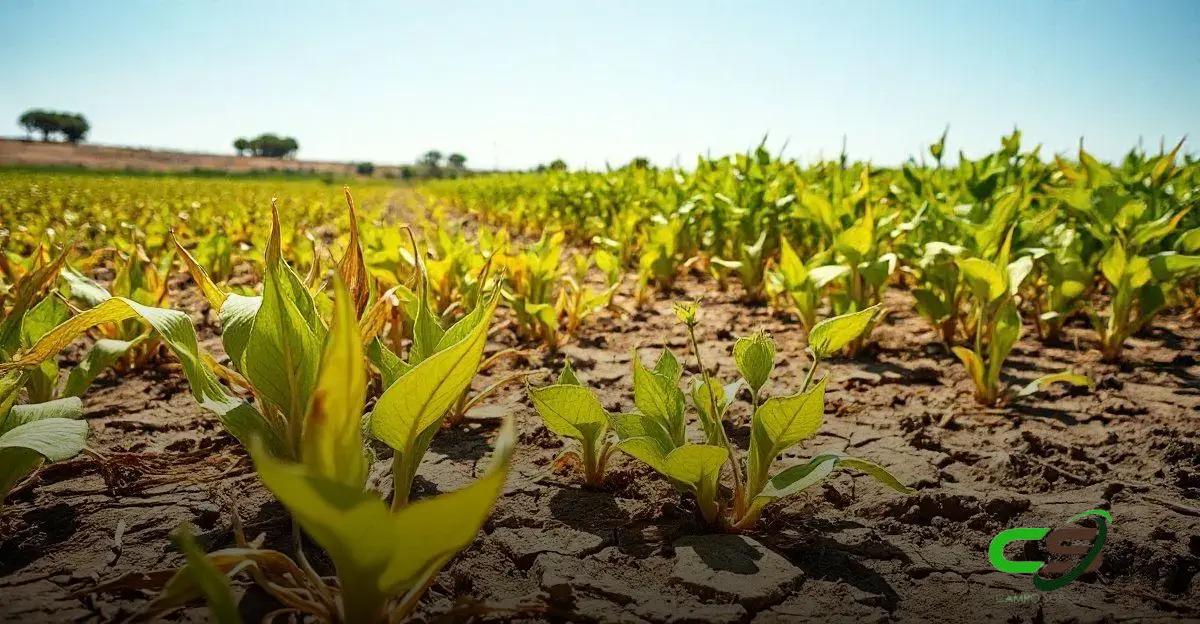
[(269, 145), (73, 127)]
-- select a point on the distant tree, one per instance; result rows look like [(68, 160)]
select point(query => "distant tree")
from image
[(432, 159), (640, 162), (365, 169), (268, 145), (407, 172), (289, 147), (457, 161), (29, 121), (74, 127), (558, 164), (47, 123)]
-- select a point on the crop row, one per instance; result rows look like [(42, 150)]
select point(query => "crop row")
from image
[(308, 335)]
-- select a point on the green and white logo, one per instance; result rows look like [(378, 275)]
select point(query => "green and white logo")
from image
[(1066, 541)]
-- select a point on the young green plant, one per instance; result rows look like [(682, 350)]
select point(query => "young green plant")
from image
[(572, 411), (656, 434), (994, 288), (385, 559)]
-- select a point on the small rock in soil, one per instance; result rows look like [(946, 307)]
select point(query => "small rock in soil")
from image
[(734, 568), (525, 544), (565, 579)]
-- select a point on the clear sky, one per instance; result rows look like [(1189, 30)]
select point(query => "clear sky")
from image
[(512, 84)]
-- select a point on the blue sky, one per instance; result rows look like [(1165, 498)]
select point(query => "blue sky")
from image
[(515, 84)]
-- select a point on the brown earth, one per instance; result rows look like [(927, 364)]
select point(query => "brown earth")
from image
[(845, 550), (115, 158)]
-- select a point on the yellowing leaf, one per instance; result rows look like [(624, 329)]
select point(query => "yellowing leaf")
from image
[(213, 293), (973, 364), (351, 267), (1066, 377), (176, 330), (377, 553), (331, 443)]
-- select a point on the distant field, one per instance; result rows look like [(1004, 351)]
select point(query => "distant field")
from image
[(15, 152)]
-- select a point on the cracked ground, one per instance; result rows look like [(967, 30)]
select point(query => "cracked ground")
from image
[(553, 550)]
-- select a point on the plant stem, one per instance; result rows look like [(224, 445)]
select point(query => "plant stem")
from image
[(808, 377), (401, 482), (753, 403), (734, 464)]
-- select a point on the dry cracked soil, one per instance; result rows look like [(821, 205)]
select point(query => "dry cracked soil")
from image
[(633, 551)]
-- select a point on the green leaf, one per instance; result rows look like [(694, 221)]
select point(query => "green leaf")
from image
[(1170, 266), (15, 464), (103, 354), (832, 334), (855, 242), (1112, 265), (1017, 271), (985, 279), (70, 408), (331, 443), (377, 553), (42, 318), (802, 476), (650, 450), (794, 273), (755, 358), (571, 411), (875, 471), (390, 366), (781, 423), (930, 305), (718, 395), (1066, 377), (23, 295), (630, 426), (236, 316), (973, 365), (668, 366), (797, 478), (283, 350), (55, 439), (427, 331), (37, 322), (1006, 333), (422, 395), (210, 581), (989, 237), (822, 275), (658, 396), (83, 288), (876, 273), (1189, 241), (567, 377), (697, 466), (1156, 229)]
